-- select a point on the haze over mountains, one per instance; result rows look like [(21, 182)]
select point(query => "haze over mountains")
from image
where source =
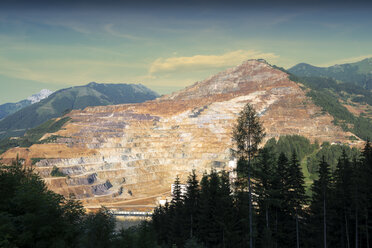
[(65, 100), (118, 154)]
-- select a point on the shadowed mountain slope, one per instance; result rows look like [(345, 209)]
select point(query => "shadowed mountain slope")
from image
[(65, 100), (10, 108)]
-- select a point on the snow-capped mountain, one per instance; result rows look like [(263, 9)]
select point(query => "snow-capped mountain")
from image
[(10, 108), (44, 93)]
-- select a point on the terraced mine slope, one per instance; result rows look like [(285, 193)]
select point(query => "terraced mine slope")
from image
[(128, 155)]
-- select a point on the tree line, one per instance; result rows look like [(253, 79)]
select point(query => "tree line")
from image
[(215, 212)]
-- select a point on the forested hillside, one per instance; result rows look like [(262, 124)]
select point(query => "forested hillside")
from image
[(33, 135), (334, 98), (358, 73), (211, 215)]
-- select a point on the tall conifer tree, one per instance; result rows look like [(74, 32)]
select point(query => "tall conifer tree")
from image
[(192, 199), (319, 206), (247, 135)]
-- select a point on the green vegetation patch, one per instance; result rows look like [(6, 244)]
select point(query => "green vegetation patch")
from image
[(56, 172), (326, 92), (35, 160), (310, 154), (34, 135), (292, 143), (50, 126)]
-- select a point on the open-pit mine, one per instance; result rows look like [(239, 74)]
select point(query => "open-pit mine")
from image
[(127, 156)]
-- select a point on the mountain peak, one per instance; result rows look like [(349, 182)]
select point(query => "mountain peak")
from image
[(250, 75), (44, 93)]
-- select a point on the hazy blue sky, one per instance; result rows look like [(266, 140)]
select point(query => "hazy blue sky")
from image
[(168, 47)]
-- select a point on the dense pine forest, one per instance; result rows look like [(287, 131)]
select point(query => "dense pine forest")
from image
[(265, 202), (214, 211)]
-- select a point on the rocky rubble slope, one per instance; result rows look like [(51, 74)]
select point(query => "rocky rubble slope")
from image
[(128, 155)]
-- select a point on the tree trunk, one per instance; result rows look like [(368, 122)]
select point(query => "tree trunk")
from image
[(347, 231), (191, 226), (342, 234), (276, 227), (356, 227), (297, 232), (250, 205), (267, 217), (367, 228), (324, 222), (223, 237)]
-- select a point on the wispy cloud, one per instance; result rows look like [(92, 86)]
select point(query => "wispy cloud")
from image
[(207, 61), (72, 26), (109, 28)]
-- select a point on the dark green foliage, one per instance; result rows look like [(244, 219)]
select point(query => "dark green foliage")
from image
[(288, 144), (267, 193), (354, 73), (192, 200), (56, 173), (291, 198), (331, 105), (326, 93), (177, 213), (50, 126), (341, 89), (247, 135), (141, 236), (35, 160), (331, 154), (295, 184), (193, 243), (339, 209), (319, 207), (33, 216), (205, 215), (98, 230), (33, 135), (63, 101)]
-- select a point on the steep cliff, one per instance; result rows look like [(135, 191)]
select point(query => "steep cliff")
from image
[(128, 155)]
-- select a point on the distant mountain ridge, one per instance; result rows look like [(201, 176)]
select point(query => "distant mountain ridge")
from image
[(44, 93), (359, 73), (10, 108), (65, 100)]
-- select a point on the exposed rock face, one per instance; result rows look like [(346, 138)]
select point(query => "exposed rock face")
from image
[(127, 155)]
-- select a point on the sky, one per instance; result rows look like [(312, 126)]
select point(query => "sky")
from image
[(167, 46)]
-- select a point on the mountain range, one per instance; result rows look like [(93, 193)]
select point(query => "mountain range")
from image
[(359, 73), (65, 100), (10, 108)]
